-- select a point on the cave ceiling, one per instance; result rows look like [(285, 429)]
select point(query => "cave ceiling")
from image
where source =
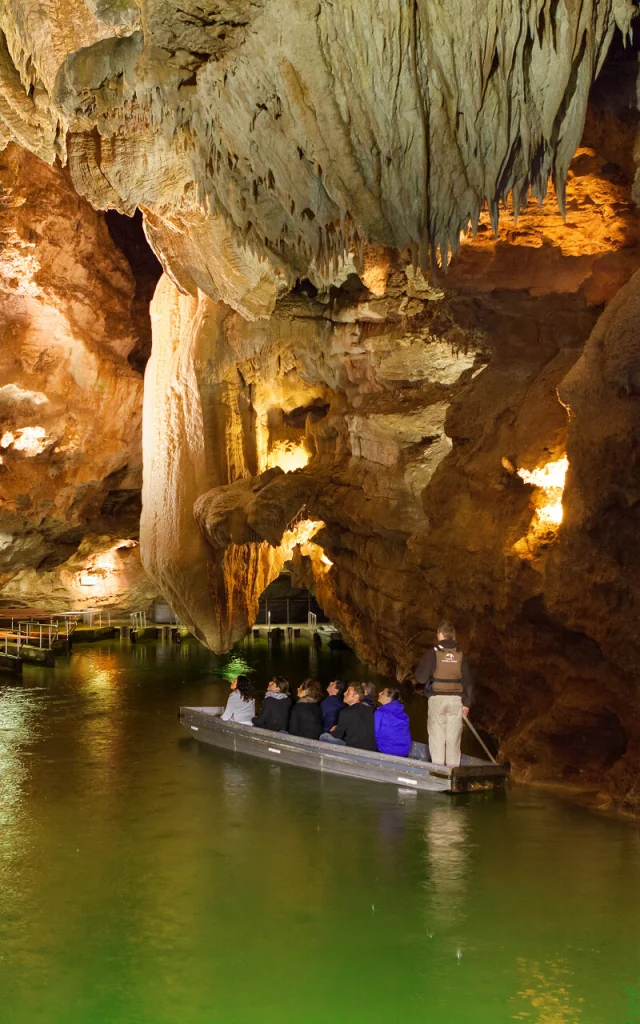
[(268, 141)]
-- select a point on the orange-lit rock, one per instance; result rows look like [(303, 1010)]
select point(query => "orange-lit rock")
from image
[(207, 425), (307, 366), (593, 249), (104, 572), (70, 403)]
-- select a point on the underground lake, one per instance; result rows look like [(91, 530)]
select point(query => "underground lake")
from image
[(147, 879)]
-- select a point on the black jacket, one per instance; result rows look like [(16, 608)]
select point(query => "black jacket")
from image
[(274, 713), (306, 720), (355, 727), (427, 666)]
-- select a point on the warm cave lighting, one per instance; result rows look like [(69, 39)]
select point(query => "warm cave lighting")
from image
[(288, 455), (101, 569), (549, 479), (30, 440), (302, 534)]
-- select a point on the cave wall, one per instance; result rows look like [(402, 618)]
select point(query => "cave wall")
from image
[(70, 403)]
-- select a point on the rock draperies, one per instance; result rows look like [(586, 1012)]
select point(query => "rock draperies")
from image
[(206, 424), (260, 155)]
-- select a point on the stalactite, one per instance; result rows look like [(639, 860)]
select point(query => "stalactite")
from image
[(328, 105)]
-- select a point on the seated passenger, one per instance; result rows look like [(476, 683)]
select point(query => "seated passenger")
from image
[(306, 716), (276, 706), (369, 695), (241, 706), (355, 722), (391, 724), (332, 704)]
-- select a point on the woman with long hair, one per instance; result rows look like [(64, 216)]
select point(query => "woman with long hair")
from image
[(241, 705)]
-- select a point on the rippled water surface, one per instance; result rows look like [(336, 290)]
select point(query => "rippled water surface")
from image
[(145, 879)]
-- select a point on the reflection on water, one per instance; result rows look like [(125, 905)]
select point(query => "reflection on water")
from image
[(550, 994), (148, 879), (447, 848)]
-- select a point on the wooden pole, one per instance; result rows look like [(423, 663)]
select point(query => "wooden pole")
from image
[(479, 739)]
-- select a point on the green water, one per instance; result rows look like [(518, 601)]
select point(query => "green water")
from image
[(145, 879)]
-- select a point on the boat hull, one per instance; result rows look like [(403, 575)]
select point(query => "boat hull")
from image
[(205, 725)]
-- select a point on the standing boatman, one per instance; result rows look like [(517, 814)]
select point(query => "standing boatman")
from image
[(446, 675)]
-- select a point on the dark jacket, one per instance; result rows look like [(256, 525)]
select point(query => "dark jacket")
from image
[(427, 666), (355, 727), (275, 711), (306, 719), (391, 724), (331, 708)]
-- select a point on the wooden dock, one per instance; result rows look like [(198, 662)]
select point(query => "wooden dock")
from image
[(322, 634)]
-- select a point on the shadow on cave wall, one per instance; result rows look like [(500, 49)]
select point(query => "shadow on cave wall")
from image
[(128, 234)]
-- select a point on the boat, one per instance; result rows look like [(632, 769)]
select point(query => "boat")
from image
[(409, 773)]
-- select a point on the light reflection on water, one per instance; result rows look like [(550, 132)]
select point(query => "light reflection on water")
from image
[(448, 854), (147, 878)]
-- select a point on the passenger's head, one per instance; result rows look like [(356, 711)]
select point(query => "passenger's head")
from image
[(279, 685), (244, 686), (311, 689), (369, 690), (446, 631), (336, 688), (354, 693), (389, 694)]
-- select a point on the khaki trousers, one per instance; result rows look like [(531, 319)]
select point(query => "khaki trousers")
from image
[(444, 725)]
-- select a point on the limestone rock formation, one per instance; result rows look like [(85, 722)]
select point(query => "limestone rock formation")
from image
[(260, 155), (70, 403), (103, 573), (319, 392), (415, 424)]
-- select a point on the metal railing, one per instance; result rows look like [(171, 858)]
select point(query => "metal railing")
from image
[(6, 652), (94, 618), (27, 632)]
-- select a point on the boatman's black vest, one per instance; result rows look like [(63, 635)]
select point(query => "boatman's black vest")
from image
[(447, 678)]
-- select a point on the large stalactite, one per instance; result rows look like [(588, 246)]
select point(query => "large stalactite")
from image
[(261, 155)]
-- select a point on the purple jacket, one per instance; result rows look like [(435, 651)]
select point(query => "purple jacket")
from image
[(391, 724)]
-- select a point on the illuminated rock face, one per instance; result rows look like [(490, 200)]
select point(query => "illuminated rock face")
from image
[(421, 426), (261, 155), (103, 573), (70, 403), (415, 416)]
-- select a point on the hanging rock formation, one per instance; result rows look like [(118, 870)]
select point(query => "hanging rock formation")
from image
[(261, 155)]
